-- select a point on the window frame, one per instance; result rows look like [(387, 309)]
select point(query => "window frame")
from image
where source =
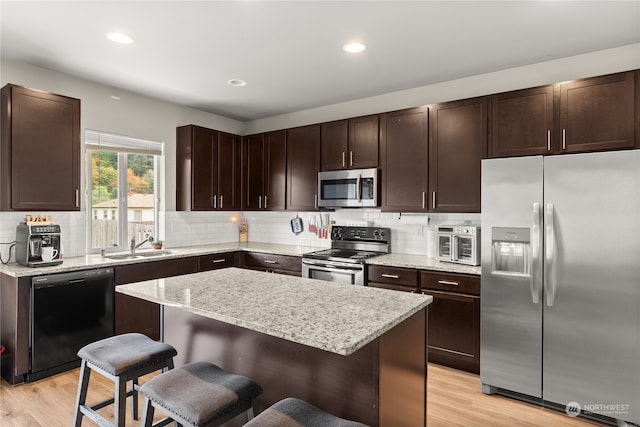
[(122, 200)]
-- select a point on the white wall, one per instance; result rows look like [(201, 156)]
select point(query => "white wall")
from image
[(575, 67)]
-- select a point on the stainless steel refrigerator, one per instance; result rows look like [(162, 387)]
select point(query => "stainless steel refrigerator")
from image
[(560, 292)]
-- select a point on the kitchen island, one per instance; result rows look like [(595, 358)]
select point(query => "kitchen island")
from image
[(357, 352)]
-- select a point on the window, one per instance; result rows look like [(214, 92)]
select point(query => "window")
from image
[(122, 175)]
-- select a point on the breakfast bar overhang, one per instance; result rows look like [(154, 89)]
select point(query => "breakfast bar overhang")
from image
[(354, 351)]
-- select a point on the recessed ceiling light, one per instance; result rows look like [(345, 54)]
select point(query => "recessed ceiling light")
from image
[(355, 47), (237, 82), (121, 38), (115, 97)]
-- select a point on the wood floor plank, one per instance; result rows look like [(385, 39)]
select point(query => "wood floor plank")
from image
[(454, 399)]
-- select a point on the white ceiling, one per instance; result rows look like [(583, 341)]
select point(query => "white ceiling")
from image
[(289, 52)]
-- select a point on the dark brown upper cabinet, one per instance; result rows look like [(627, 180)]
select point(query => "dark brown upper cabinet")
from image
[(457, 145), (597, 113), (264, 171), (39, 151), (404, 161), (303, 165), (350, 144), (522, 122), (207, 169)]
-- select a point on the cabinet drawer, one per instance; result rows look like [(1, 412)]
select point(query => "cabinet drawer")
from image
[(272, 262), (155, 270), (216, 261), (396, 276), (448, 282)]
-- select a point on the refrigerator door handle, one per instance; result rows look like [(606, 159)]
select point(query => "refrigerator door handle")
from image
[(549, 257), (536, 280)]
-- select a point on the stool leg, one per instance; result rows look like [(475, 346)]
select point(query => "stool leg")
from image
[(83, 385), (147, 413), (134, 398), (120, 402)]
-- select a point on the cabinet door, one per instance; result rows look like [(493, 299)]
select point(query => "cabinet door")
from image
[(217, 261), (276, 170), (203, 165), (454, 330), (522, 122), (303, 164), (254, 155), (363, 142), (597, 113), (334, 145), (404, 160), (457, 144), (228, 173), (44, 140)]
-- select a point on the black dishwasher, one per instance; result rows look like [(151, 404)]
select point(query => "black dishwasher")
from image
[(68, 311)]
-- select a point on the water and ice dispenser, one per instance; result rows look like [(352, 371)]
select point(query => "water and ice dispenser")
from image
[(511, 251)]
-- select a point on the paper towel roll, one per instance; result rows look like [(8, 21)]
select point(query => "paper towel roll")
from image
[(431, 242)]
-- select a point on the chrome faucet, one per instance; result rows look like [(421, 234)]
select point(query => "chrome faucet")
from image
[(134, 246)]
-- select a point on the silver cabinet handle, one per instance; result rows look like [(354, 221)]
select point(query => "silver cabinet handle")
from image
[(259, 202), (220, 202), (550, 287), (424, 200), (315, 201), (535, 254), (390, 276), (448, 282), (77, 198), (344, 160), (548, 139), (216, 261), (564, 139), (433, 200), (350, 158), (269, 261), (265, 202), (215, 201)]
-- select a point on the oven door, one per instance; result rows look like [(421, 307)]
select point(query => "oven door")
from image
[(445, 247), (465, 250), (347, 273)]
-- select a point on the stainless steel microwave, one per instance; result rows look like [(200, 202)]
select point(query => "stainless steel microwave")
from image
[(349, 188)]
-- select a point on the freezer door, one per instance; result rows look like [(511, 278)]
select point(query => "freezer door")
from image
[(511, 309), (591, 307)]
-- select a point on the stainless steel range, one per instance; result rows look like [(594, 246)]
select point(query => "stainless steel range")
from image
[(345, 261)]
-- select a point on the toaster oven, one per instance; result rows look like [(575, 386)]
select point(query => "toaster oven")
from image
[(459, 244)]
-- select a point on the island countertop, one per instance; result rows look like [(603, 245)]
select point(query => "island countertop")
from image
[(329, 316)]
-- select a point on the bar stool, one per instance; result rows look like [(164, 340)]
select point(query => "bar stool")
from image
[(296, 412), (121, 358), (198, 394)]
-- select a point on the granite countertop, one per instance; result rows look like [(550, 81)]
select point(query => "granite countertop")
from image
[(325, 315), (96, 261)]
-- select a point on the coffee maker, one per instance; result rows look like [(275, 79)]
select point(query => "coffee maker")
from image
[(38, 245)]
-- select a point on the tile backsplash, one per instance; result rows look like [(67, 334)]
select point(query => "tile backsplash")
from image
[(410, 233)]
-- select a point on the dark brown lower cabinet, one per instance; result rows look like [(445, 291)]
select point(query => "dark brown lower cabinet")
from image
[(454, 319), (136, 315), (281, 264)]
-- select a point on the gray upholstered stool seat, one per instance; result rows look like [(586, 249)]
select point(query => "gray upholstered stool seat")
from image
[(121, 358), (198, 394), (292, 412)]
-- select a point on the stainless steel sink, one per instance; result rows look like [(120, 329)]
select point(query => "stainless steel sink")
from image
[(139, 255)]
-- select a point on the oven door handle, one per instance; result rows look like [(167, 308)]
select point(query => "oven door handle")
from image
[(330, 267)]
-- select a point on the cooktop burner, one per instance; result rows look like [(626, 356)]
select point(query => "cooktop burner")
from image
[(344, 255), (354, 244)]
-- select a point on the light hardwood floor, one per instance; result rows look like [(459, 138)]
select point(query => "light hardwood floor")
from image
[(454, 399)]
